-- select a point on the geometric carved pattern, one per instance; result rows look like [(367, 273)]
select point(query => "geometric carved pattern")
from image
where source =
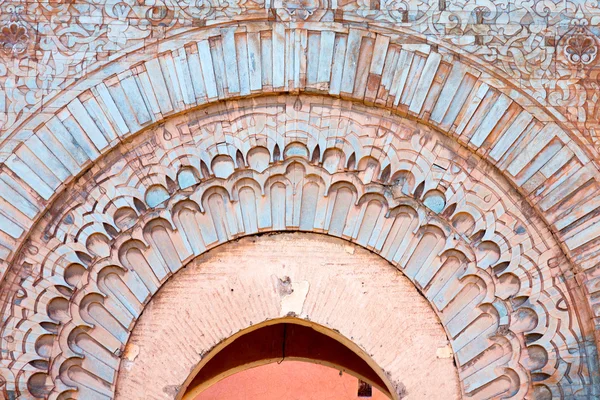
[(488, 266), (378, 67), (545, 50)]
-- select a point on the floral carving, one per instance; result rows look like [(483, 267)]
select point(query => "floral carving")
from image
[(13, 39), (515, 37), (398, 10), (580, 47), (302, 9)]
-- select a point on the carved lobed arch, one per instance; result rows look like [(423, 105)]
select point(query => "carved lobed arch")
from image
[(490, 268), (383, 67), (483, 318)]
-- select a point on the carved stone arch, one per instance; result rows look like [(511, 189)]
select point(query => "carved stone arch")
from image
[(109, 150), (483, 276), (102, 316), (492, 116)]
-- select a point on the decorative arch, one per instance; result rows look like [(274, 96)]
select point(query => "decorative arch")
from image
[(382, 66), (265, 306), (426, 53), (276, 341), (456, 94), (455, 227)]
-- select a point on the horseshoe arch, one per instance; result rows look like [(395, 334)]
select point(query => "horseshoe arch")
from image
[(132, 178)]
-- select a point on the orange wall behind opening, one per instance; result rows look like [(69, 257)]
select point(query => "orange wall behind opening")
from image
[(290, 380)]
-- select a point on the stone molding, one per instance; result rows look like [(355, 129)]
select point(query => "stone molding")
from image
[(544, 49), (381, 70), (453, 225)]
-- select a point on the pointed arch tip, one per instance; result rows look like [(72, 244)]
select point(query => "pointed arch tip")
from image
[(235, 354)]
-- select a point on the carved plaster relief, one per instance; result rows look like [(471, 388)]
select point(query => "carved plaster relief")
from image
[(538, 47), (486, 264), (415, 80), (456, 139)]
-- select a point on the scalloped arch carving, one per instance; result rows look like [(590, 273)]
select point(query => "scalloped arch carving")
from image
[(487, 264), (386, 67)]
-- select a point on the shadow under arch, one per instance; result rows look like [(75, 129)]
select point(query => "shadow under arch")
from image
[(276, 340)]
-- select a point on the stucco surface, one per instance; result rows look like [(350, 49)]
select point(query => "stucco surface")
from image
[(457, 139), (334, 284)]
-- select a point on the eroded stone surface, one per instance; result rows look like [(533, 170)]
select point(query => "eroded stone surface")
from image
[(487, 264), (127, 125)]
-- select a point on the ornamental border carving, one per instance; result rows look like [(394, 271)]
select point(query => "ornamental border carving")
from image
[(306, 163), (537, 44), (416, 80)]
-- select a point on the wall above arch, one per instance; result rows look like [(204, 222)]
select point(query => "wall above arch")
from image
[(253, 286)]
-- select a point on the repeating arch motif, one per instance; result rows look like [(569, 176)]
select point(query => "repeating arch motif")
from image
[(491, 271), (484, 312), (380, 67)]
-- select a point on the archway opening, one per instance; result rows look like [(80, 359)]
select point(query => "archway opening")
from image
[(325, 284), (287, 339), (292, 380)]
